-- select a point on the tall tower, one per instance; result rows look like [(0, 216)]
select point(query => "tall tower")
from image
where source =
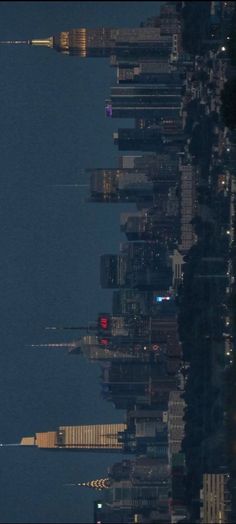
[(162, 100), (97, 484), (95, 437), (126, 43), (103, 42), (119, 185)]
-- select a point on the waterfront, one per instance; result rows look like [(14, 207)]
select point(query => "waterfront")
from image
[(204, 166)]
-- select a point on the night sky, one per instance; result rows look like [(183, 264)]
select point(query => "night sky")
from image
[(52, 128)]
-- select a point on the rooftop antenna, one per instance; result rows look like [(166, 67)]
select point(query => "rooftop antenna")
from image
[(62, 328), (46, 42), (72, 346), (54, 345), (8, 445), (27, 42), (97, 484)]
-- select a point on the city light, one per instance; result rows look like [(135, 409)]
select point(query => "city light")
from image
[(161, 299), (155, 357), (103, 322)]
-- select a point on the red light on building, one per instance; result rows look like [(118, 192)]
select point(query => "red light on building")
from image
[(104, 341), (103, 322)]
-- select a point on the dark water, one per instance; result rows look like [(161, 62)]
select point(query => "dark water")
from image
[(52, 128)]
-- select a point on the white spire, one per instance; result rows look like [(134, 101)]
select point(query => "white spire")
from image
[(57, 345), (15, 42), (46, 42), (7, 445)]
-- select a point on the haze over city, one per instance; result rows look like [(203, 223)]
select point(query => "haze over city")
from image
[(118, 266)]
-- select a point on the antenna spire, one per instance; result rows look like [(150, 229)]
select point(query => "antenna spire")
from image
[(55, 345), (61, 328), (27, 42), (45, 42), (97, 484), (73, 347), (8, 445)]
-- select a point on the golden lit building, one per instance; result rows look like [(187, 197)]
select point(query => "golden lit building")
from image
[(214, 498), (95, 437), (101, 42)]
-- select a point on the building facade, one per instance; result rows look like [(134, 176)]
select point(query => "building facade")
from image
[(94, 437)]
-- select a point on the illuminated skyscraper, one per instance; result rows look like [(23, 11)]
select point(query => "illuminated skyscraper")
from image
[(96, 437), (215, 498), (127, 43), (119, 185)]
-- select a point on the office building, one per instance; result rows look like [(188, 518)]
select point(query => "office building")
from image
[(149, 139), (94, 437), (123, 43), (215, 499), (113, 270), (104, 514), (107, 348), (177, 268), (144, 101), (158, 72), (187, 205), (140, 265), (140, 383), (176, 424), (119, 185), (123, 494), (161, 164), (131, 301), (179, 512), (151, 224)]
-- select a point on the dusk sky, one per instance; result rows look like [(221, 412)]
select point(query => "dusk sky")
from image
[(53, 127)]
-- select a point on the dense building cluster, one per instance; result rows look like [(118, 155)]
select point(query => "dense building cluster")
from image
[(139, 345)]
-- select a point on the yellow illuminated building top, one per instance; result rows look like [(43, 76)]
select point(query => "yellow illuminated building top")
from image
[(46, 42), (94, 436), (214, 496)]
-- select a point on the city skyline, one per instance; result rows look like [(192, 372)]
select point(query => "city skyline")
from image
[(164, 348), (35, 91)]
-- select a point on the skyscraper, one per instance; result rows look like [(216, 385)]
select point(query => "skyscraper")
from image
[(160, 100), (127, 43), (215, 498), (95, 437), (188, 205), (146, 72), (143, 266), (119, 185), (150, 139)]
